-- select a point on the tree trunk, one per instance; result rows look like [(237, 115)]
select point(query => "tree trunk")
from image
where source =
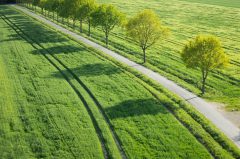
[(144, 55), (204, 77), (89, 27), (81, 29), (106, 40), (73, 24)]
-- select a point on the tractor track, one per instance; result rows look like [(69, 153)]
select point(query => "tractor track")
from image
[(38, 47)]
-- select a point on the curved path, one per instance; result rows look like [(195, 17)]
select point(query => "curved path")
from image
[(208, 110)]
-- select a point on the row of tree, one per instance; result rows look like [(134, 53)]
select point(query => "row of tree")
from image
[(145, 28), (204, 52)]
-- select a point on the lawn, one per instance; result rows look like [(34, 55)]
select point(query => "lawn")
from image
[(63, 100)]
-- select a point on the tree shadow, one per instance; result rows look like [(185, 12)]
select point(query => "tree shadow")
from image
[(32, 29), (131, 108), (90, 70), (66, 49), (12, 37)]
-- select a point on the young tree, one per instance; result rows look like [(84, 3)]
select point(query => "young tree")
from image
[(107, 17), (206, 53), (145, 28), (60, 10), (84, 13), (42, 5), (53, 7), (36, 3), (69, 9), (65, 9)]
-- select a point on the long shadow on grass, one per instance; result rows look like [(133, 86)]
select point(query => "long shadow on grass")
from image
[(11, 37), (91, 70), (131, 108), (59, 49), (32, 28)]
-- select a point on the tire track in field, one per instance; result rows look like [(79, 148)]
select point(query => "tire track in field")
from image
[(52, 122), (99, 106), (91, 95), (97, 129)]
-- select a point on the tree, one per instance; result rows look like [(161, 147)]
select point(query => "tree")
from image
[(69, 9), (60, 9), (35, 3), (48, 5), (206, 53), (42, 5), (107, 17), (53, 7), (84, 13), (145, 28)]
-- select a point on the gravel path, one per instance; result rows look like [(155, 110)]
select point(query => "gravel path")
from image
[(207, 109)]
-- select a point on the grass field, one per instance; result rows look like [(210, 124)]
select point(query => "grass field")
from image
[(227, 3), (186, 19), (63, 100)]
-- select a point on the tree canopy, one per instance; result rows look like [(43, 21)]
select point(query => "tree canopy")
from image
[(146, 29), (206, 53), (85, 11), (107, 17)]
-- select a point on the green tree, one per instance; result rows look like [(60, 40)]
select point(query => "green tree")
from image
[(53, 7), (84, 13), (69, 9), (42, 5), (145, 28), (36, 3), (107, 17), (48, 5), (205, 53)]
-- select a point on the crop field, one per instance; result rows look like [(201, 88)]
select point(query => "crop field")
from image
[(186, 19), (61, 99)]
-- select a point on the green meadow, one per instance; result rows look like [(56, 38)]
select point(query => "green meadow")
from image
[(186, 19), (61, 99)]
